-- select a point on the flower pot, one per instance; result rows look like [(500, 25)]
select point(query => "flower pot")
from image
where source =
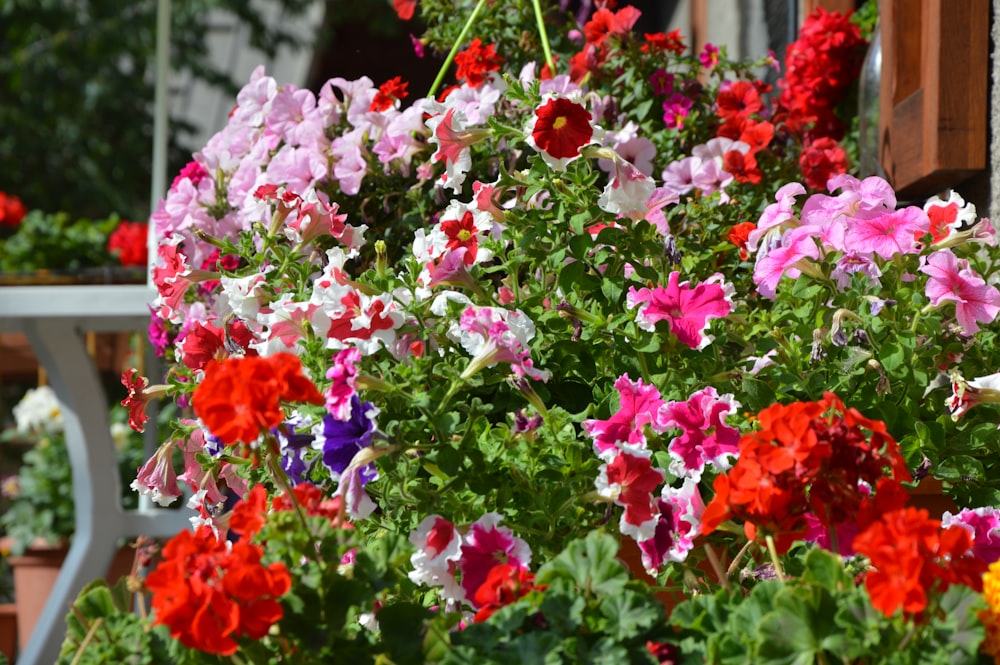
[(929, 494), (35, 574), (8, 630)]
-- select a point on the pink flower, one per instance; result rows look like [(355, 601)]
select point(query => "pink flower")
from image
[(677, 524), (887, 234), (675, 109), (787, 259), (627, 192), (448, 131), (484, 546), (951, 279), (195, 476), (629, 480), (344, 373), (777, 214), (983, 524), (639, 406), (687, 309), (705, 437), (494, 335), (157, 478), (709, 57), (967, 394)]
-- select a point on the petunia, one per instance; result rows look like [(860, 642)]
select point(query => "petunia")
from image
[(950, 279), (685, 308), (705, 437), (438, 547), (496, 335), (485, 545), (787, 259), (629, 480), (558, 129), (678, 523), (340, 440), (639, 405), (887, 234)]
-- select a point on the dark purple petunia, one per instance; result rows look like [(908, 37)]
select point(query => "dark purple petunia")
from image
[(293, 447), (342, 439)]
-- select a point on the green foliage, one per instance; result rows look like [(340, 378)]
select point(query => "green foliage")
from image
[(57, 242)]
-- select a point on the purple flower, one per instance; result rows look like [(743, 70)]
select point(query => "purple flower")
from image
[(340, 440)]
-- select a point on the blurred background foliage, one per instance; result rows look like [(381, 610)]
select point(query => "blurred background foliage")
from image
[(76, 95)]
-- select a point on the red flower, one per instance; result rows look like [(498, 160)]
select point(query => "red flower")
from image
[(739, 234), (561, 128), (743, 166), (404, 8), (12, 211), (672, 41), (129, 243), (474, 62), (913, 556), (739, 98), (605, 23), (462, 233), (388, 92), (136, 401), (504, 584), (315, 503), (807, 457), (821, 160), (208, 595), (249, 514), (241, 396)]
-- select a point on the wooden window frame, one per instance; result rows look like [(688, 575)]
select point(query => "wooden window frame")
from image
[(934, 93)]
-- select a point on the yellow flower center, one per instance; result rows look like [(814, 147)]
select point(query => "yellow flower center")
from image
[(559, 122), (464, 235)]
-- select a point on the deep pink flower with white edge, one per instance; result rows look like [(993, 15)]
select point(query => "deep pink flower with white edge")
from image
[(558, 129), (639, 406), (678, 523), (438, 549), (887, 234), (705, 437), (344, 374), (495, 335), (951, 279), (629, 479), (983, 524), (786, 259), (484, 546), (686, 309)]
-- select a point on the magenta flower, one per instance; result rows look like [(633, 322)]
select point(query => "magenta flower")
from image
[(887, 234), (705, 437), (687, 309), (486, 545), (777, 214), (675, 109), (157, 478), (983, 524), (709, 57), (677, 525), (343, 372), (640, 405), (951, 279)]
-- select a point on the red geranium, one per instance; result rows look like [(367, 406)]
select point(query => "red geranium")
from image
[(504, 584), (388, 92), (12, 211), (129, 242), (241, 396), (209, 594), (821, 160), (476, 61)]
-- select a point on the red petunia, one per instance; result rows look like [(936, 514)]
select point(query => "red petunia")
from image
[(404, 8), (742, 166), (129, 242), (739, 234), (136, 401), (462, 232), (560, 128), (504, 584), (671, 41)]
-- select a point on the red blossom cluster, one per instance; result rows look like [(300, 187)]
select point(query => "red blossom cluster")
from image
[(12, 211), (475, 62), (805, 458), (597, 31), (389, 92), (129, 242), (911, 555), (209, 594), (738, 105), (241, 396), (504, 584)]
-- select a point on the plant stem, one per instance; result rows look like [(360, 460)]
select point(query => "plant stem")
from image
[(713, 559), (736, 560), (773, 551), (454, 49), (542, 35)]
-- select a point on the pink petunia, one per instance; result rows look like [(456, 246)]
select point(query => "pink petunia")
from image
[(629, 480), (788, 258), (640, 405), (951, 279), (687, 309), (677, 524), (705, 437), (496, 335), (344, 373), (887, 234), (983, 524)]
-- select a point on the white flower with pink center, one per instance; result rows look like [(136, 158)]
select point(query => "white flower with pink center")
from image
[(495, 335)]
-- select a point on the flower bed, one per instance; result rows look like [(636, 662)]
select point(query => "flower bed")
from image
[(441, 359)]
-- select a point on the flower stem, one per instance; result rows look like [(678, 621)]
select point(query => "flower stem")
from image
[(773, 551), (720, 572), (543, 36), (454, 49)]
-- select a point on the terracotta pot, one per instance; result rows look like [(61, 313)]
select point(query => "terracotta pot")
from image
[(929, 494), (35, 574), (8, 630)]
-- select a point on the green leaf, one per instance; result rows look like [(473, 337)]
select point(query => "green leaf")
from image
[(629, 613), (404, 622), (591, 564)]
